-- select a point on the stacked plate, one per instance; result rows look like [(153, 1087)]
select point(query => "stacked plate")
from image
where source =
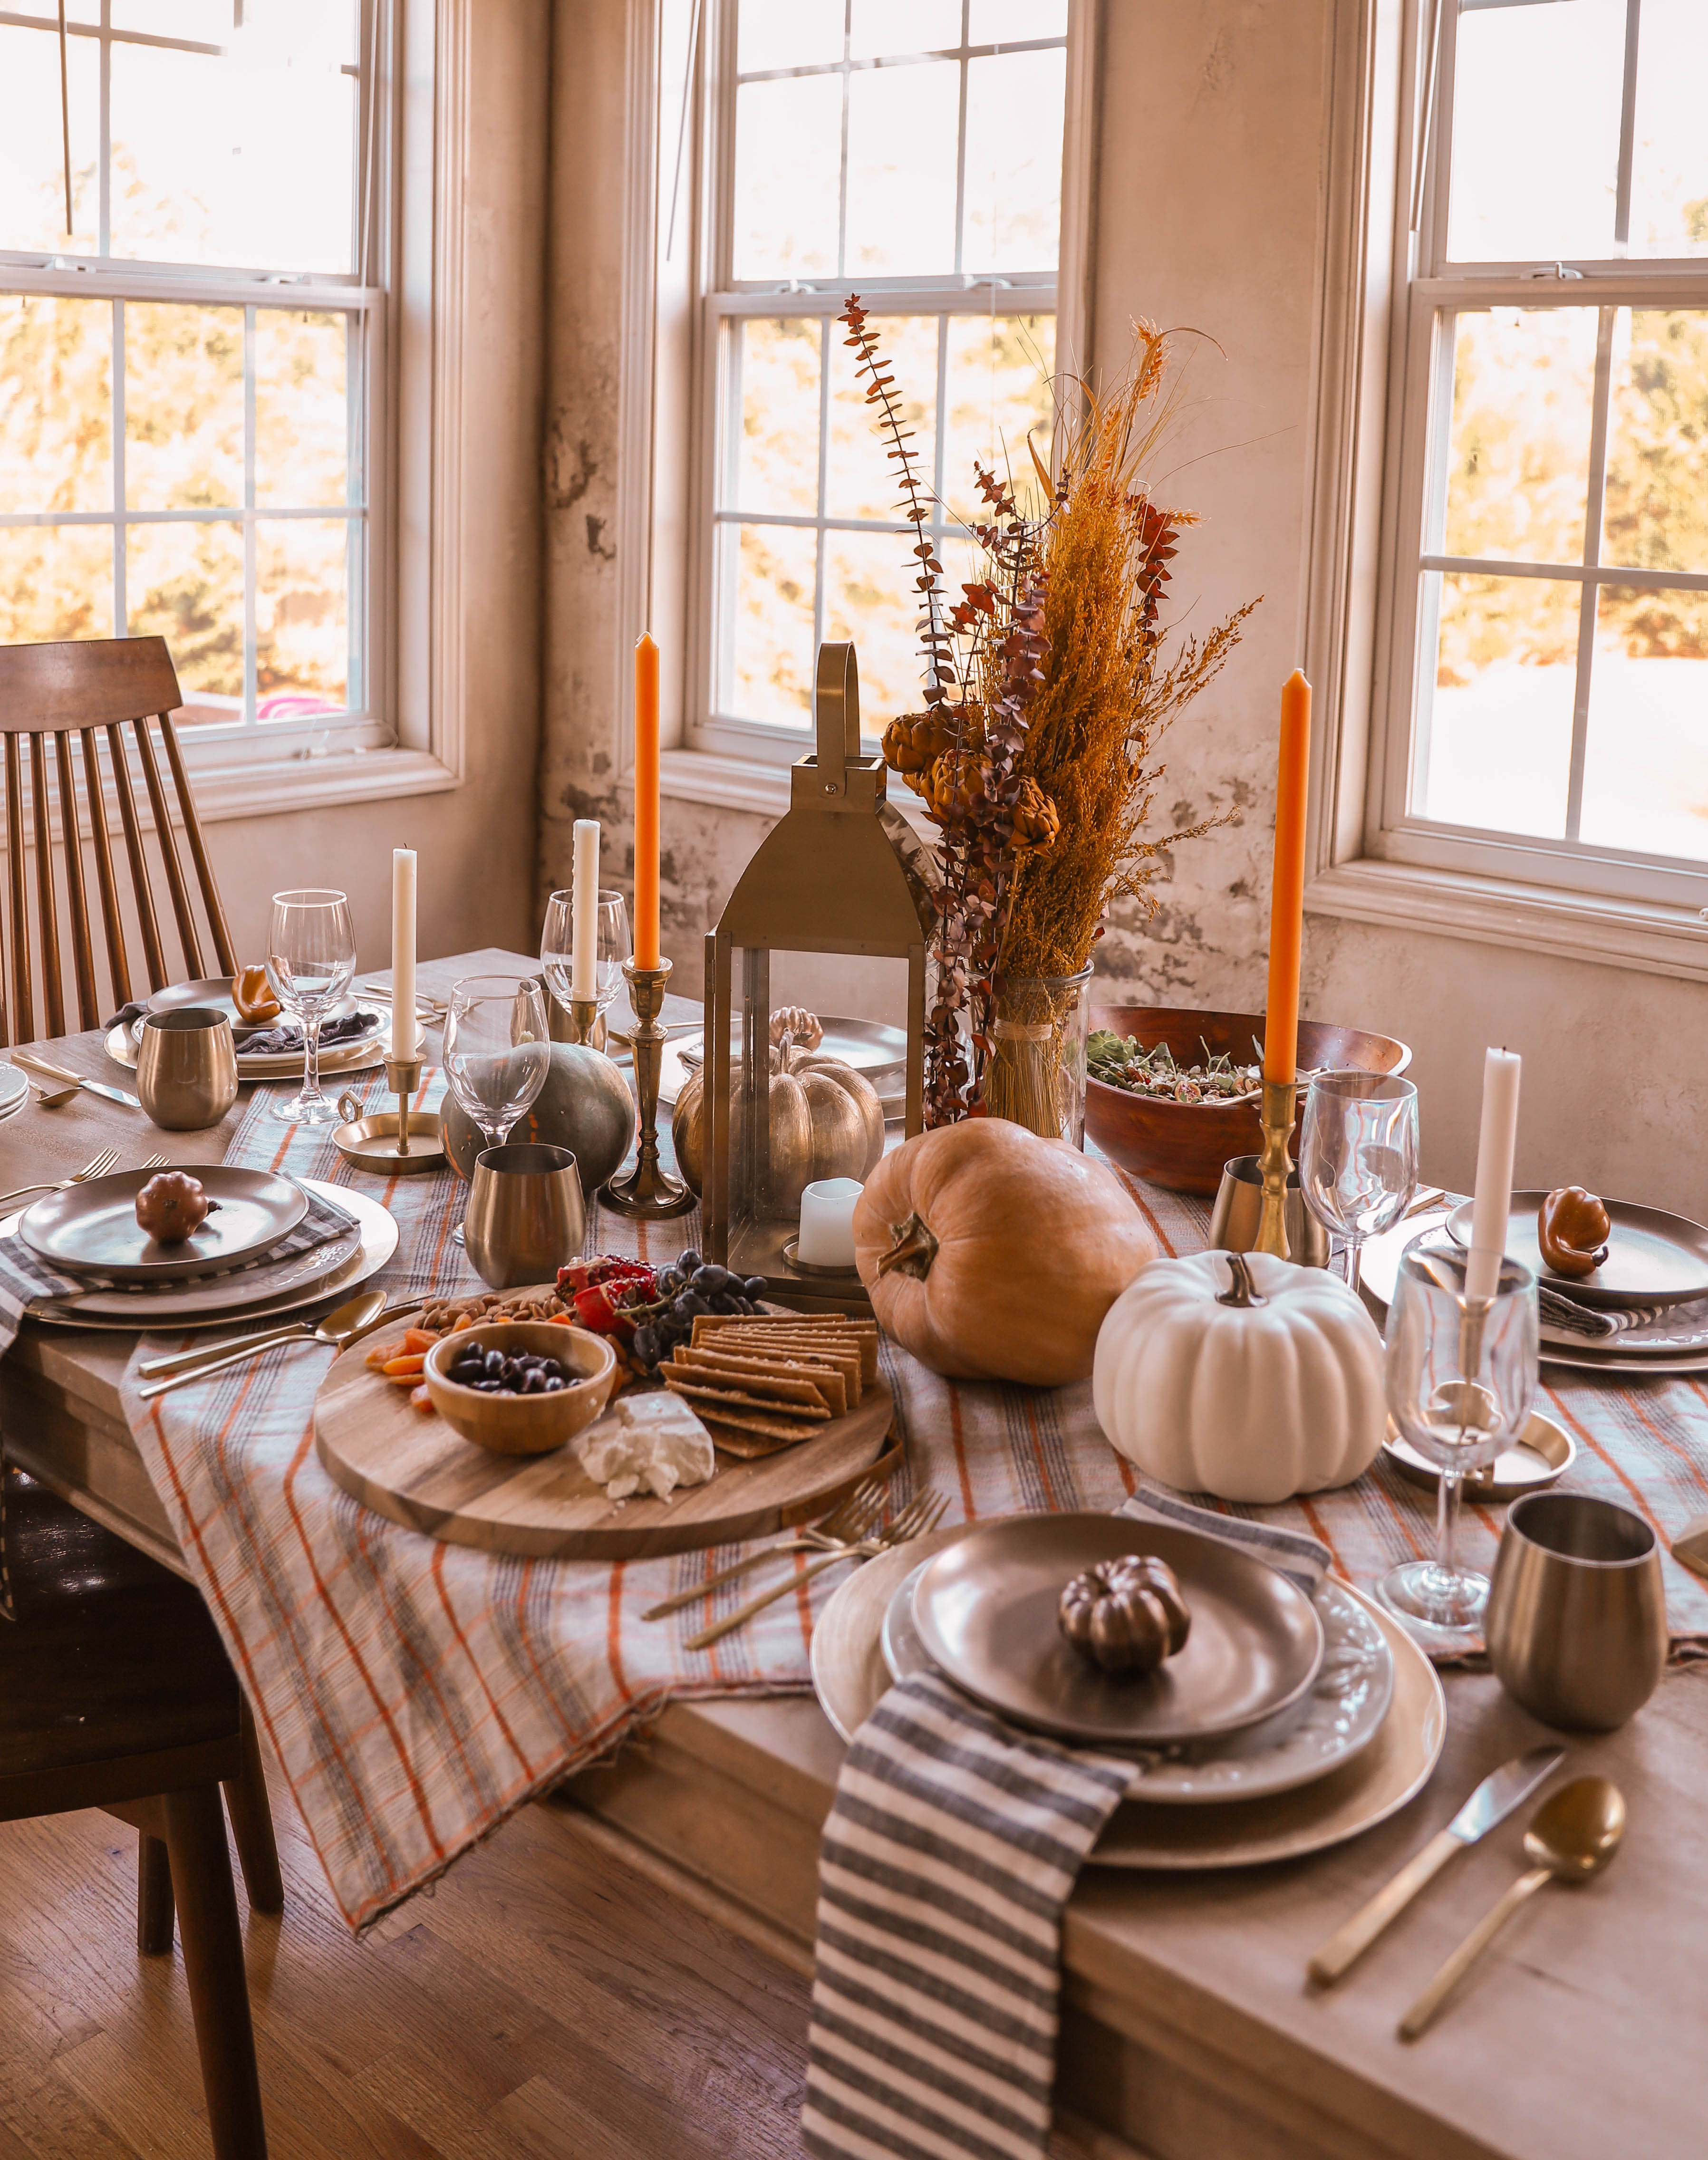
[(358, 1053), (15, 1091), (1322, 1699)]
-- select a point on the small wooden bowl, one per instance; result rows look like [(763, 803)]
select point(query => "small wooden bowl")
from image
[(1183, 1146), (523, 1425)]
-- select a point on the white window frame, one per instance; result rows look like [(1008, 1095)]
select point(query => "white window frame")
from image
[(407, 736), (726, 759), (1387, 292)]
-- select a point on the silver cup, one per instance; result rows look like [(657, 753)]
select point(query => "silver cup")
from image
[(1239, 1211), (186, 1067), (1576, 1623), (526, 1217)]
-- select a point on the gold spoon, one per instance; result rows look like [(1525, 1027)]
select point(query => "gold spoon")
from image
[(1572, 1835), (340, 1327)]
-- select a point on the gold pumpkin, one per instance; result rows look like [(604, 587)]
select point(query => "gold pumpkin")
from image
[(826, 1121)]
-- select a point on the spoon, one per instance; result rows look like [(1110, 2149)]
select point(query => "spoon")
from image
[(340, 1327), (51, 1098), (1572, 1835)]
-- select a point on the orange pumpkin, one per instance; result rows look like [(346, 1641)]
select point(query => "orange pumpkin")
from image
[(992, 1254)]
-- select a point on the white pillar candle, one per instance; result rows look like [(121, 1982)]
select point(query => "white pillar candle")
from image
[(1495, 1147), (405, 1032), (826, 1224), (584, 974)]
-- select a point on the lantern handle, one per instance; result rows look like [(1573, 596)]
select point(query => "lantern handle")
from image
[(836, 708)]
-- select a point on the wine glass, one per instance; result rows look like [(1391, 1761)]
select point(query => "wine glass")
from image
[(612, 946), (497, 1050), (1357, 1155), (1460, 1379), (310, 963)]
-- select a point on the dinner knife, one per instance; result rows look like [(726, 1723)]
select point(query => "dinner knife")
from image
[(76, 1079), (1494, 1800)]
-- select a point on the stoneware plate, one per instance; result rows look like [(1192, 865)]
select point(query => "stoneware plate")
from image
[(985, 1611), (92, 1229), (343, 1057), (14, 1091), (1653, 1258), (1544, 1455), (1341, 1715), (215, 993)]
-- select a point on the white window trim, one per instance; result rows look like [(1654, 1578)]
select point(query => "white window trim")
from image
[(1459, 886), (724, 764), (413, 744)]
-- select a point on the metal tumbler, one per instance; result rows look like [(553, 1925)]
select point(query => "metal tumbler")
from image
[(527, 1216), (1238, 1210), (186, 1067), (1577, 1623)]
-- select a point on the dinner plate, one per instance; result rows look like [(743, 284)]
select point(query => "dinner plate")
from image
[(15, 1090), (251, 1293), (285, 1065), (1653, 1258), (215, 993), (91, 1228), (1343, 1713), (849, 1676), (985, 1610)]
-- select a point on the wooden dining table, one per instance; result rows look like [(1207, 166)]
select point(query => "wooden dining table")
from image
[(1189, 2033)]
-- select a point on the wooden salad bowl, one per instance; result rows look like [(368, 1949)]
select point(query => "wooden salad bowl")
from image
[(1183, 1146)]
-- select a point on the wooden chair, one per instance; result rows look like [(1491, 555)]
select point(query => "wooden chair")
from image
[(49, 693), (116, 1693)]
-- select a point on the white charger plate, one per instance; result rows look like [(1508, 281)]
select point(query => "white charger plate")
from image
[(362, 1056)]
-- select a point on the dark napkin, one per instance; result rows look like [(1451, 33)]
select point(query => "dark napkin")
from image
[(274, 1041)]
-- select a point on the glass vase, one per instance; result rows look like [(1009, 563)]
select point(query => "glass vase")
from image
[(1034, 1069)]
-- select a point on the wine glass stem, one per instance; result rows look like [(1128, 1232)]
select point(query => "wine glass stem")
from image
[(1355, 1270), (311, 1056), (1447, 1519)]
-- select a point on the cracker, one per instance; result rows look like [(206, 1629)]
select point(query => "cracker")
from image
[(847, 1362), (777, 1420), (862, 1337), (736, 1440), (781, 1388), (832, 1381)]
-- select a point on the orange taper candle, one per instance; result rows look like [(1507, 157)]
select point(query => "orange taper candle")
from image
[(1287, 894), (645, 802)]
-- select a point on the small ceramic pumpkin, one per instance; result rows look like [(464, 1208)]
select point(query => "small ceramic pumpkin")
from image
[(1126, 1615), (584, 1106), (1241, 1375), (1572, 1230), (826, 1120), (992, 1254)]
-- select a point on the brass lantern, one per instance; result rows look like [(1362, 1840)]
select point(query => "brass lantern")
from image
[(841, 875)]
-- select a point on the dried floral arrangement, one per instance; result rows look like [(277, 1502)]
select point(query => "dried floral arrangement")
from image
[(1047, 690)]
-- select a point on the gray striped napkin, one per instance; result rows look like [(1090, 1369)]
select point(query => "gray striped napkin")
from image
[(1563, 1316), (952, 1847)]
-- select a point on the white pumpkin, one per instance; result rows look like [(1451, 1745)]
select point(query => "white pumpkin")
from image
[(1250, 1401)]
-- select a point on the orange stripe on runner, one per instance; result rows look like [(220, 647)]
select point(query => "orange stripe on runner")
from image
[(958, 1437), (1145, 1209), (445, 1599), (1319, 1529), (1601, 1455), (1038, 1455), (614, 1634)]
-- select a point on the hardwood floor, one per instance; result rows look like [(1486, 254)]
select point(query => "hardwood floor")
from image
[(544, 2002)]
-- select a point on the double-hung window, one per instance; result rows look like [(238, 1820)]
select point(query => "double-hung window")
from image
[(192, 375), (910, 151), (1548, 675)]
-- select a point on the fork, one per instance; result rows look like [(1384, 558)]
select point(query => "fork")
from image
[(923, 1513), (96, 1166), (845, 1526)]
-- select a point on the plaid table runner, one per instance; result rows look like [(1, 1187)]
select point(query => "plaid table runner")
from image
[(415, 1693)]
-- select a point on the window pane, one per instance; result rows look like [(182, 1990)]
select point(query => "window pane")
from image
[(55, 582), (903, 26), (788, 160), (185, 582), (1002, 21), (870, 596), (56, 404), (1535, 158), (1656, 511), (902, 134), (776, 364), (786, 33), (1498, 753), (1645, 779), (1518, 478), (302, 409), (207, 22), (183, 407), (1013, 162), (999, 387), (861, 475), (1669, 161), (301, 616), (32, 153), (768, 611)]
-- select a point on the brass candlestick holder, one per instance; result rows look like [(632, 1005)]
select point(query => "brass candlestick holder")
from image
[(392, 1143), (648, 1189), (1274, 1166)]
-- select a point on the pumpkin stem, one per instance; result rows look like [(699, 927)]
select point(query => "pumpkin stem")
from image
[(1241, 1292), (914, 1250)]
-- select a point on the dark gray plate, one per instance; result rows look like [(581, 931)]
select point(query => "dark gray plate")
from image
[(1653, 1258), (985, 1610), (92, 1228)]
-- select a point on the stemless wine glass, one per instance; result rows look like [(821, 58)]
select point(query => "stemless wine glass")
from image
[(497, 1050), (612, 946), (1460, 1379), (1357, 1155), (310, 963)]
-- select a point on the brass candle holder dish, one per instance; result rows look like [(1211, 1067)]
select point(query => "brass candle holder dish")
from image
[(392, 1143), (648, 1191)]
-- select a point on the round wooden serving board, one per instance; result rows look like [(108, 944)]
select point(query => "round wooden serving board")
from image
[(414, 1470)]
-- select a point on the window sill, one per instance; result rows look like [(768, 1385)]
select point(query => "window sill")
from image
[(1653, 938), (755, 784), (256, 787)]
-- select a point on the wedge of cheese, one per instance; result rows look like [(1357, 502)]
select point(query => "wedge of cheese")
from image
[(649, 1443)]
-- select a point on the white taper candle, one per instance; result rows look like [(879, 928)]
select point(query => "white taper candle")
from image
[(584, 974), (1495, 1147), (406, 1033)]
